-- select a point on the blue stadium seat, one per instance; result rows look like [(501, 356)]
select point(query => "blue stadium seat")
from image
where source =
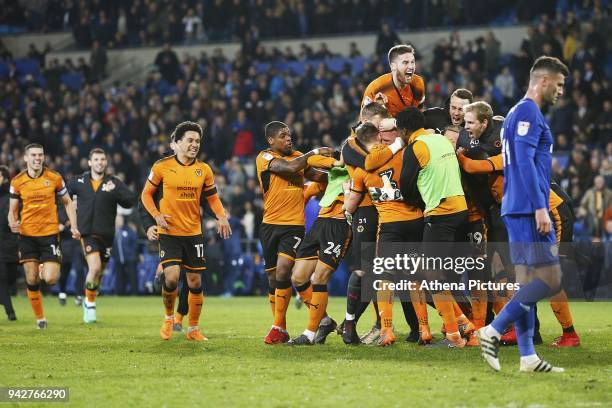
[(74, 81), (27, 66), (357, 64), (4, 71)]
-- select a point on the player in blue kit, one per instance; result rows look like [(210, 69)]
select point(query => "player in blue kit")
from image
[(527, 157)]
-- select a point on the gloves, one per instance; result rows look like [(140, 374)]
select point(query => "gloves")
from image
[(385, 193)]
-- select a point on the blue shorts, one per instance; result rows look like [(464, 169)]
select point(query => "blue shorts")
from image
[(527, 245)]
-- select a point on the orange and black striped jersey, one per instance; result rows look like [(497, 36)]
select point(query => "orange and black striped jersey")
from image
[(388, 177), (397, 99), (38, 198), (182, 186), (494, 166), (282, 194), (353, 154), (335, 210)]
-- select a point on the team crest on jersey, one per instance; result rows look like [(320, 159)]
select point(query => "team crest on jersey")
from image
[(88, 248), (523, 128), (162, 254), (47, 183), (198, 172), (360, 228), (498, 143)]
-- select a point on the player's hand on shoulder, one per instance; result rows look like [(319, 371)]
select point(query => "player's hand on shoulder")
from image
[(326, 151), (152, 234), (381, 98), (223, 228)]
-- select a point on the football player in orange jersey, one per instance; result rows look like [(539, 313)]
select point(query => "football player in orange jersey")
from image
[(184, 179), (281, 171), (36, 190), (402, 87)]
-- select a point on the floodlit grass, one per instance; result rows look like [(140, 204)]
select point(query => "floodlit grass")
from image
[(120, 361)]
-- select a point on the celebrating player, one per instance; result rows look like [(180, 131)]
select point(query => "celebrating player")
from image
[(36, 190), (281, 171), (97, 194), (181, 243), (398, 221), (527, 157), (401, 87)]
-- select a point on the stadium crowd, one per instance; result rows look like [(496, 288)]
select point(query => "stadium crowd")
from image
[(232, 100), (136, 22)]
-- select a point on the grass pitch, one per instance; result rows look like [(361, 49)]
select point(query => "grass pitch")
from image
[(120, 361)]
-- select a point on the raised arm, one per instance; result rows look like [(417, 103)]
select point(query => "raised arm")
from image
[(286, 167)]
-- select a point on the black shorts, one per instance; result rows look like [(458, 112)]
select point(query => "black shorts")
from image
[(365, 229), (440, 233), (95, 243), (399, 232), (327, 241), (497, 238), (280, 240), (40, 249), (474, 233), (188, 252), (472, 242)]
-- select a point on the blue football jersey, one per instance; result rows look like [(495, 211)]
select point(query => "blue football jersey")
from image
[(527, 144)]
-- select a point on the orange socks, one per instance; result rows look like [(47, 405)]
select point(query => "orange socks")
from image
[(35, 298), (271, 301), (318, 306), (282, 297), (305, 292), (178, 318), (195, 301), (479, 308), (91, 292), (457, 309), (444, 303), (560, 307), (385, 306), (417, 297), (169, 298)]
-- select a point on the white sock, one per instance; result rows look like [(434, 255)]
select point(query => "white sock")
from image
[(309, 334), (62, 295), (530, 359), (349, 316), (89, 304), (170, 317), (277, 327), (491, 332), (325, 320), (44, 319)]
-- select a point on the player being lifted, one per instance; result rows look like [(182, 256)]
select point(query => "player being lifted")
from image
[(281, 171), (36, 190), (399, 88), (183, 180), (97, 194), (527, 158)]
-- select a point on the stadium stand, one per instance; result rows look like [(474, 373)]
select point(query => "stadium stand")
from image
[(62, 104)]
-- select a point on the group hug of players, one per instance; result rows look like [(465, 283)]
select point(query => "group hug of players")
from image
[(404, 175)]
